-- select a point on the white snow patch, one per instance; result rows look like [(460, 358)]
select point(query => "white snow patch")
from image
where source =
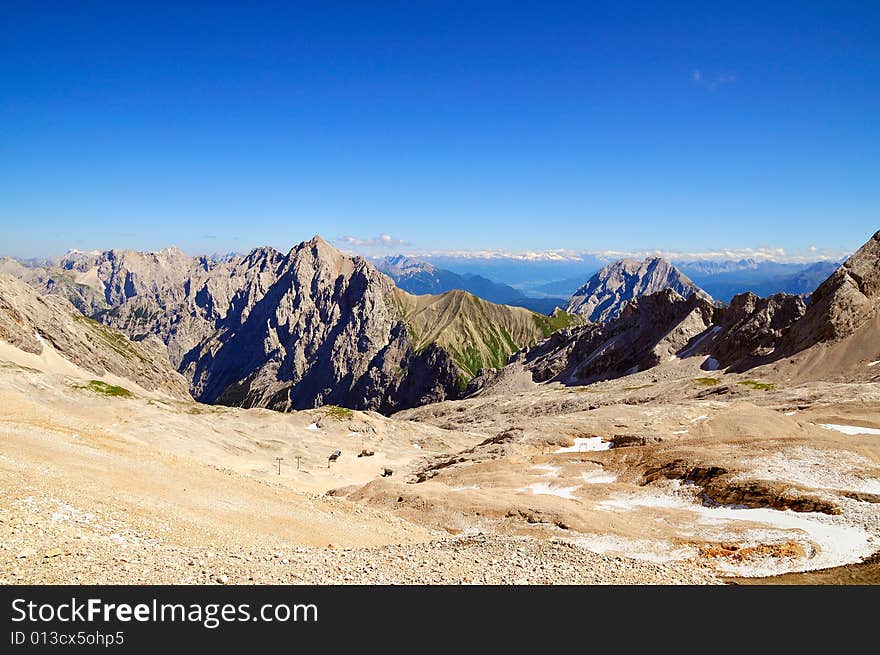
[(312, 426), (789, 413), (416, 446), (585, 445), (700, 418), (849, 429), (466, 487), (687, 352), (874, 363), (598, 477), (672, 358), (826, 542), (814, 468), (549, 470), (680, 432), (545, 488), (650, 550)]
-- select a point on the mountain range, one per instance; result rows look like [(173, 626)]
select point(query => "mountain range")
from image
[(836, 336), (316, 327), (290, 331)]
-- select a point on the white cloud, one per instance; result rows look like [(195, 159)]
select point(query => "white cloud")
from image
[(382, 241), (711, 83), (760, 254), (386, 244)]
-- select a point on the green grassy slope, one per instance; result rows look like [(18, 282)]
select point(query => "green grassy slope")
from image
[(477, 333)]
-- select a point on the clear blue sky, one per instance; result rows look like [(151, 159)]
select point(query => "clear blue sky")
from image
[(541, 125)]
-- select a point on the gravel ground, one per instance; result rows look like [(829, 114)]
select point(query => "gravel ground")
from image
[(45, 541)]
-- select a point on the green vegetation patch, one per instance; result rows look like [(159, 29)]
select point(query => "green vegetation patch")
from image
[(116, 340), (468, 360), (549, 324), (337, 412), (757, 384), (707, 382), (107, 389), (639, 386)]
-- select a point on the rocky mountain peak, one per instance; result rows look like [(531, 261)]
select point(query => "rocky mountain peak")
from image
[(605, 295), (401, 265), (320, 254), (842, 303)]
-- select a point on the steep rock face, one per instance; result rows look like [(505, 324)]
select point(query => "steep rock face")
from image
[(326, 332), (649, 330), (751, 328), (605, 294), (29, 320), (124, 274), (197, 301), (80, 289), (848, 299)]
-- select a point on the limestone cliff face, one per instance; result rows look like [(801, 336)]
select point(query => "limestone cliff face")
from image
[(842, 304), (29, 321), (195, 301), (605, 295), (649, 330), (326, 332), (751, 329)]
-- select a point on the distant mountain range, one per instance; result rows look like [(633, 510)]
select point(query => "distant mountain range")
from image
[(421, 277), (761, 278), (721, 279)]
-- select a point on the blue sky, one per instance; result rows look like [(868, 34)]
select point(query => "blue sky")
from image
[(513, 126)]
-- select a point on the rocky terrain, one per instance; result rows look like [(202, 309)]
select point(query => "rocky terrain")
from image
[(650, 330), (604, 296), (52, 542), (46, 330)]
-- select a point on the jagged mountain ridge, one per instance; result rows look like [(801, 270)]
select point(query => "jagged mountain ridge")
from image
[(291, 331), (32, 322), (648, 331), (333, 330), (604, 296), (835, 336)]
